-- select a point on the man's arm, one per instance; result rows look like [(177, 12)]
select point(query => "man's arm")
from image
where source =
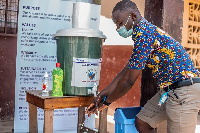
[(123, 85), (119, 86)]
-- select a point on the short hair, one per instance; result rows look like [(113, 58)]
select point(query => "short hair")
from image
[(125, 5)]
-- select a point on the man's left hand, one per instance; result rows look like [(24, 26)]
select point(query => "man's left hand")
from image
[(94, 107)]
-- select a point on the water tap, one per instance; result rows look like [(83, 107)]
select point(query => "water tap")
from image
[(93, 90)]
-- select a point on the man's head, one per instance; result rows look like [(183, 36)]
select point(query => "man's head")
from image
[(125, 5), (125, 13)]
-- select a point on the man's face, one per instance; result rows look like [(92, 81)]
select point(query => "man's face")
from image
[(120, 18)]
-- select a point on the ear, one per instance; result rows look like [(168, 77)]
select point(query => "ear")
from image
[(133, 16)]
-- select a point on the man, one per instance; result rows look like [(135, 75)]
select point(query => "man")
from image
[(178, 100)]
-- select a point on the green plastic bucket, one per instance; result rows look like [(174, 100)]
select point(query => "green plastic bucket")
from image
[(80, 59)]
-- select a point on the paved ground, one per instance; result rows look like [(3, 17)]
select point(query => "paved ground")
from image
[(7, 127)]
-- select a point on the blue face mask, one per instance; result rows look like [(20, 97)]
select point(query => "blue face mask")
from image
[(123, 31)]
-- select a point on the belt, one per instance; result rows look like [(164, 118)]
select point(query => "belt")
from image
[(182, 83)]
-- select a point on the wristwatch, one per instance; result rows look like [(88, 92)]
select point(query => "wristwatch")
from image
[(103, 100)]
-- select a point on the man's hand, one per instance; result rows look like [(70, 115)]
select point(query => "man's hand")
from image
[(95, 106)]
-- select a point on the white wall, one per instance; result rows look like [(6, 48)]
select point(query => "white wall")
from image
[(108, 27)]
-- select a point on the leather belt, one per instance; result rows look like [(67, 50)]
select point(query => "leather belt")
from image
[(182, 83)]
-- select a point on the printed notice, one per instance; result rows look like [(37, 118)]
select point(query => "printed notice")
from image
[(85, 72)]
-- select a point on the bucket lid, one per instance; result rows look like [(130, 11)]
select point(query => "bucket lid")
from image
[(80, 32)]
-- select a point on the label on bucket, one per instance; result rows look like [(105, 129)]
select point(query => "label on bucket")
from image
[(85, 72)]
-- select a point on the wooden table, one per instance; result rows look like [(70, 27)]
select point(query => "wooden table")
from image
[(49, 103)]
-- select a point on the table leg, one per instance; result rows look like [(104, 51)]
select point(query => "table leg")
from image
[(48, 121), (33, 125), (81, 119), (103, 121)]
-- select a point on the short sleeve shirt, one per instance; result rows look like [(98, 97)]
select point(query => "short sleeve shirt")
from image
[(168, 59)]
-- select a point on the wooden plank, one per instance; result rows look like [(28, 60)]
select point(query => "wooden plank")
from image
[(59, 103), (48, 121), (34, 100), (81, 119), (38, 93), (33, 125), (103, 121)]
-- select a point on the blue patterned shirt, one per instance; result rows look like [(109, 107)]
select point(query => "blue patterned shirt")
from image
[(168, 59)]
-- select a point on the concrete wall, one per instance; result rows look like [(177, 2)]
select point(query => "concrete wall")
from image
[(173, 18), (8, 50)]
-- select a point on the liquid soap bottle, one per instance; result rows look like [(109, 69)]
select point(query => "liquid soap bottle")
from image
[(57, 81)]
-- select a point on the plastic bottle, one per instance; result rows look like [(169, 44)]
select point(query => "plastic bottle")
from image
[(45, 89), (57, 81), (163, 98)]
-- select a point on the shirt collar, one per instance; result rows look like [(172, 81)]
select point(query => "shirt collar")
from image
[(139, 26)]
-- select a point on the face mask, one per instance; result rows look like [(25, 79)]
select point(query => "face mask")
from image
[(123, 31)]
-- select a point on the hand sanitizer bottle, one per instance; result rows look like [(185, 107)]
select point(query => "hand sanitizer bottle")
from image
[(45, 89)]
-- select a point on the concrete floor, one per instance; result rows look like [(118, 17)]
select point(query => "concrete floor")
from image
[(8, 126)]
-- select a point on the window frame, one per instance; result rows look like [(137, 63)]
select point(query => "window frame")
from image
[(5, 33)]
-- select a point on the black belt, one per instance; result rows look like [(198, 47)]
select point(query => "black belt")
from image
[(182, 83)]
